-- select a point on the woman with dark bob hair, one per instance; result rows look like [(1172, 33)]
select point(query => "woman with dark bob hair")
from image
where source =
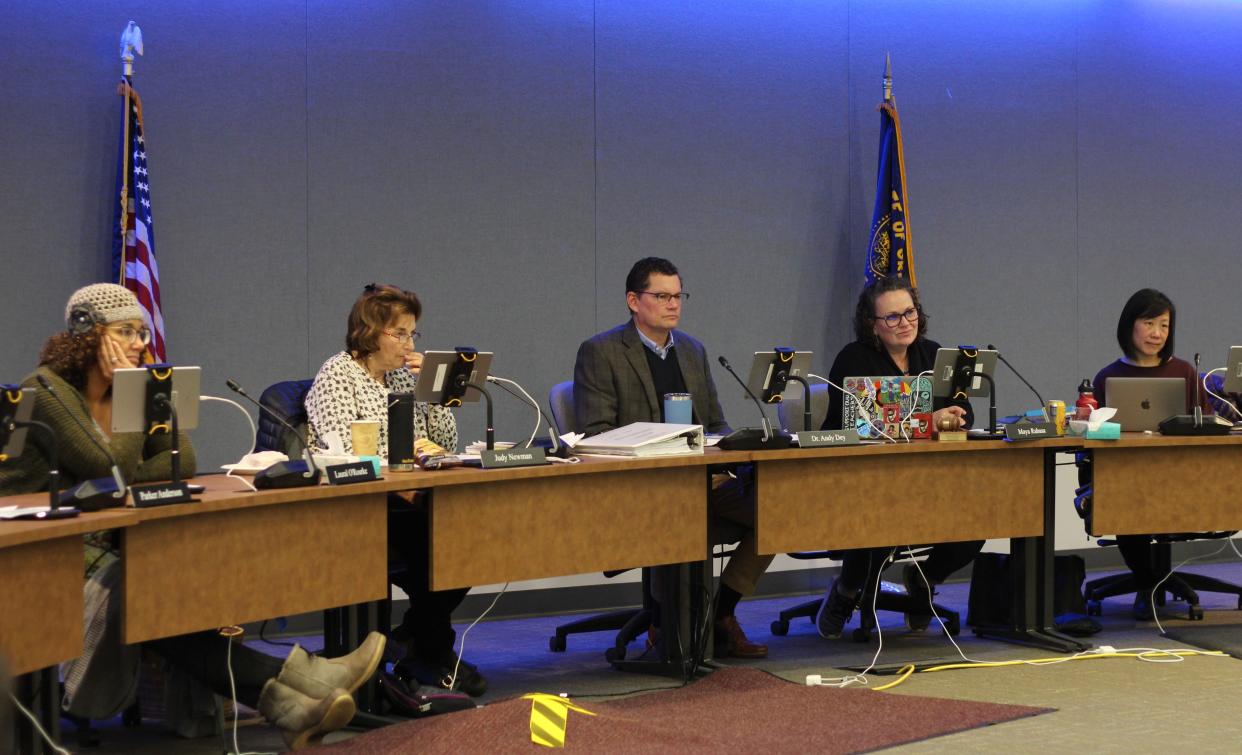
[(354, 384), (1145, 335), (890, 331), (305, 696)]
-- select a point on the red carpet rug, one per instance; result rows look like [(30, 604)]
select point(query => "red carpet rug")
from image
[(733, 710)]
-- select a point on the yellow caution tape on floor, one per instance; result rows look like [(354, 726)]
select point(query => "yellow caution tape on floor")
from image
[(548, 716)]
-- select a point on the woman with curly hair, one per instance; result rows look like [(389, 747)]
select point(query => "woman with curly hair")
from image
[(105, 332), (890, 329), (304, 695)]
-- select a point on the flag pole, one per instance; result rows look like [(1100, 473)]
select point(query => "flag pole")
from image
[(131, 42), (891, 106), (888, 78)]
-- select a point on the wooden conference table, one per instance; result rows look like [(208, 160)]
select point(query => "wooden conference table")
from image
[(238, 556), (924, 492), (41, 606), (1152, 483)]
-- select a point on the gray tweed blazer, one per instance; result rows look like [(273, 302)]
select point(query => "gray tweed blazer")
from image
[(613, 385)]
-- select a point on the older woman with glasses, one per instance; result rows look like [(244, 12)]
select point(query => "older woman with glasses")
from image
[(354, 384), (890, 330)]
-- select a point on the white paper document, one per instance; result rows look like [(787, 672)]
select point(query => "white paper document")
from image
[(645, 439)]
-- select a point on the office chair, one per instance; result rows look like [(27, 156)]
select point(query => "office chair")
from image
[(790, 415), (630, 622), (346, 626), (288, 399), (1179, 585)]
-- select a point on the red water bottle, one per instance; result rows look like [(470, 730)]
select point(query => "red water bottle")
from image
[(1086, 400)]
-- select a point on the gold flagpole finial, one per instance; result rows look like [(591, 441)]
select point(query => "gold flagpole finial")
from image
[(131, 42), (888, 78)]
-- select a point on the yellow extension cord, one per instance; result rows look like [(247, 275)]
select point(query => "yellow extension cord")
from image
[(909, 669)]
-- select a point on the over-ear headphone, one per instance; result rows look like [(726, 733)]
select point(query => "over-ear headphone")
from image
[(83, 318)]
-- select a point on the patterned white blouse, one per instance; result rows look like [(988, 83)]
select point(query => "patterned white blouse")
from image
[(344, 391)]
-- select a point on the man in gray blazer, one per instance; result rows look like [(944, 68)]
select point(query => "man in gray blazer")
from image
[(621, 376)]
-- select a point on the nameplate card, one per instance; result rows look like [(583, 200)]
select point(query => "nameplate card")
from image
[(160, 494), (821, 438), (1031, 430), (513, 457), (354, 471)]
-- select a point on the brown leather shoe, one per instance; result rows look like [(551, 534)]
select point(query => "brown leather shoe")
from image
[(731, 639), (653, 636)]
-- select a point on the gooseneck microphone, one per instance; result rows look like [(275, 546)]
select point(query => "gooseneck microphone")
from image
[(554, 431), (90, 495), (1025, 382), (767, 426), (282, 474), (1196, 423), (750, 439)]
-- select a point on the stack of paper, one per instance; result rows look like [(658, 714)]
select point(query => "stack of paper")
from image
[(645, 439)]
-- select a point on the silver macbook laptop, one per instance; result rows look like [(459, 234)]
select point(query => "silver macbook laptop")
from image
[(1143, 403)]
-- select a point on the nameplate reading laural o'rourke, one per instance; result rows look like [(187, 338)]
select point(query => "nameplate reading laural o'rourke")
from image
[(1031, 430), (354, 471), (161, 494), (821, 438), (513, 457)]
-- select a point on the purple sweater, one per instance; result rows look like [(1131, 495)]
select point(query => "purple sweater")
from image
[(1174, 368)]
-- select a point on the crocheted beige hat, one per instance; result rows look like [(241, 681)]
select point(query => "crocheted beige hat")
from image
[(108, 301)]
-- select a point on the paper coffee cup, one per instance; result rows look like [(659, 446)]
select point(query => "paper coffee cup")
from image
[(364, 434)]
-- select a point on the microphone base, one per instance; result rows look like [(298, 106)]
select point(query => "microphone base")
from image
[(1184, 424), (93, 495), (751, 439), (286, 474), (985, 436)]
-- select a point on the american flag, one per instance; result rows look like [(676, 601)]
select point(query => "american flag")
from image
[(133, 247)]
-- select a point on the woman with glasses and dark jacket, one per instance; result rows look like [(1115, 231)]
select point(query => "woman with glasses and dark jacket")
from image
[(354, 384), (890, 330)]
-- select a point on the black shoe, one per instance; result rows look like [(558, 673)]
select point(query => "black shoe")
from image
[(439, 673), (920, 597), (834, 610), (1142, 606)]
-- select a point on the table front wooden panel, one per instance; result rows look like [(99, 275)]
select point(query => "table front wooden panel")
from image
[(873, 496), (555, 525), (228, 566), (41, 600), (1142, 488)]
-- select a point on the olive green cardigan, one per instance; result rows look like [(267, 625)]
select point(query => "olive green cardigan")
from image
[(141, 458)]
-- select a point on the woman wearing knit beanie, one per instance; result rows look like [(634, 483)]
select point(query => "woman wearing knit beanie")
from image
[(104, 331), (304, 695)]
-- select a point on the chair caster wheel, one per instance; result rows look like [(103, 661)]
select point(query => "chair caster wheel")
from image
[(1196, 613), (614, 654), (556, 644), (862, 635), (1093, 608), (954, 627), (131, 717), (780, 628)]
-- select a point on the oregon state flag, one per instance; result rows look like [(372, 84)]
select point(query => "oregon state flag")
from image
[(889, 250)]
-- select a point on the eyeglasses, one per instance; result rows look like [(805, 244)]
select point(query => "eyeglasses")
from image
[(664, 298), (128, 334), (402, 337), (893, 320)]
